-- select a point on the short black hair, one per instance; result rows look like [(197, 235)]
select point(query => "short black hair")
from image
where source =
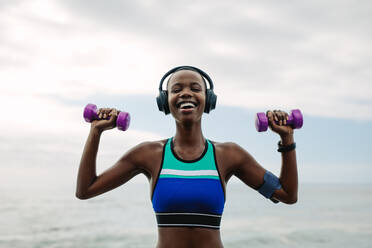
[(189, 69)]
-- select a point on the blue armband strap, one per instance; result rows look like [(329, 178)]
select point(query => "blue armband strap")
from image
[(271, 183)]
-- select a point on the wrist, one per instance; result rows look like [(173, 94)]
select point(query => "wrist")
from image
[(287, 139), (95, 131)]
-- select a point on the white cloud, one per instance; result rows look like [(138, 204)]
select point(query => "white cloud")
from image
[(61, 54), (263, 55)]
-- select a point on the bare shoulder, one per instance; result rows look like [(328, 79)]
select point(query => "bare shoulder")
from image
[(229, 156), (230, 150), (147, 155), (148, 149), (235, 160), (149, 146)]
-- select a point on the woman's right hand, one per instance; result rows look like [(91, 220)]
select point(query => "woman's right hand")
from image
[(105, 124)]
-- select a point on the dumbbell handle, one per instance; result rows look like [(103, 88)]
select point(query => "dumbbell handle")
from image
[(122, 121), (295, 120)]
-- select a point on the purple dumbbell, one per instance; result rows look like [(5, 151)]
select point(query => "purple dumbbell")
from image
[(295, 120), (122, 121)]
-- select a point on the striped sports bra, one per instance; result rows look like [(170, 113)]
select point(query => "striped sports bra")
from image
[(188, 193)]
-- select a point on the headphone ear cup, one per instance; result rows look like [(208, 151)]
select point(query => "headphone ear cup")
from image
[(210, 101), (159, 102), (207, 101), (162, 101), (213, 100)]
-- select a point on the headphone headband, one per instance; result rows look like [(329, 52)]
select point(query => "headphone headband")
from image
[(186, 67)]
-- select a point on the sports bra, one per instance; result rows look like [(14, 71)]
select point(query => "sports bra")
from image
[(188, 193)]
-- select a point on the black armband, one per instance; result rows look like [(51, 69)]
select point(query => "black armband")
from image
[(287, 148)]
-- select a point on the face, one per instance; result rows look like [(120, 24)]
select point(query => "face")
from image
[(186, 95)]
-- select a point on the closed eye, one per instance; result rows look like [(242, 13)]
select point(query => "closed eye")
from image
[(176, 90)]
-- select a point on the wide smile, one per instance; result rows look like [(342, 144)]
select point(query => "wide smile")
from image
[(186, 106)]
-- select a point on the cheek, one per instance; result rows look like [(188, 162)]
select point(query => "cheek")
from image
[(171, 100), (204, 97)]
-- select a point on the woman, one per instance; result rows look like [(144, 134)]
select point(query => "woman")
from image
[(188, 173)]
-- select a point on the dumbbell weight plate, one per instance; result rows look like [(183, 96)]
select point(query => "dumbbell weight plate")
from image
[(261, 122), (90, 112), (123, 121)]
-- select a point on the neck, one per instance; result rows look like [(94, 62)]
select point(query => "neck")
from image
[(189, 134)]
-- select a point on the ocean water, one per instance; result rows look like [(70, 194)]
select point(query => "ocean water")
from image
[(46, 215)]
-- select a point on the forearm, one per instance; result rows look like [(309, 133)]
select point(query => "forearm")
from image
[(87, 169), (288, 174)]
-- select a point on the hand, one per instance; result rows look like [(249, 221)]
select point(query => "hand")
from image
[(279, 126), (107, 119)]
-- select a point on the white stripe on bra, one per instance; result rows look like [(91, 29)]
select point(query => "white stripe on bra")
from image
[(189, 173)]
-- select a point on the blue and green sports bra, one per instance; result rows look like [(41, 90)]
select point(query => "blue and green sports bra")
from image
[(188, 193)]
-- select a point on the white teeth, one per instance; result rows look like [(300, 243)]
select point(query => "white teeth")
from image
[(187, 104)]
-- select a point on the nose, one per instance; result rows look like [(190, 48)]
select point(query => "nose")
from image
[(185, 93)]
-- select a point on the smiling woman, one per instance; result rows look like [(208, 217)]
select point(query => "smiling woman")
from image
[(211, 98), (188, 173)]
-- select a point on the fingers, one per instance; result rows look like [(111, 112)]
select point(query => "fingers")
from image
[(271, 116), (280, 117), (277, 117), (113, 114), (105, 113), (277, 122)]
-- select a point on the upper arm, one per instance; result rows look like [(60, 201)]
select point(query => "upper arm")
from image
[(248, 170), (128, 166)]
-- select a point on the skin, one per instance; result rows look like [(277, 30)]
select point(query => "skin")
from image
[(145, 158)]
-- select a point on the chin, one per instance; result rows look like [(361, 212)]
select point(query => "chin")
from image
[(189, 117)]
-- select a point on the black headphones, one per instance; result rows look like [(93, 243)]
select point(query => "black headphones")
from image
[(162, 99)]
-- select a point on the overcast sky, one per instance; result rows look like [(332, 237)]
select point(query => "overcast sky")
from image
[(56, 56)]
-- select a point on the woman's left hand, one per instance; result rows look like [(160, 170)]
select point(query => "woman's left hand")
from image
[(277, 122)]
